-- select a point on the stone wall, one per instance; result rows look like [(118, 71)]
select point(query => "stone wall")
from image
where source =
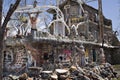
[(116, 56)]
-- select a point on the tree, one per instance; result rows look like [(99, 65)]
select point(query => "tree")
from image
[(3, 25)]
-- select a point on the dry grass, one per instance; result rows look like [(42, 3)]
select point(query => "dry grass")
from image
[(116, 79), (117, 69)]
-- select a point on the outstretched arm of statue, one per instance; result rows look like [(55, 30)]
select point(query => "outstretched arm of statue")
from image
[(29, 14), (37, 14)]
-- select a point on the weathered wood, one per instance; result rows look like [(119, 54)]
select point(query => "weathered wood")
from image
[(1, 2), (1, 55)]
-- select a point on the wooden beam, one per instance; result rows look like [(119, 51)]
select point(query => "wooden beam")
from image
[(101, 25)]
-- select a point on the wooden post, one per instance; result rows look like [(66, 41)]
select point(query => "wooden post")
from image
[(25, 2), (86, 18), (1, 4), (101, 25)]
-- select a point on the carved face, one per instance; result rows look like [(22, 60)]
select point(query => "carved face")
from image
[(33, 19), (8, 56)]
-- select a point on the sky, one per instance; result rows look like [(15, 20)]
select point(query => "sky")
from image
[(111, 10)]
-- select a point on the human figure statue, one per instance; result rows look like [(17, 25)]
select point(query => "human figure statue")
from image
[(81, 53), (33, 19), (86, 16), (34, 22), (73, 32), (102, 55)]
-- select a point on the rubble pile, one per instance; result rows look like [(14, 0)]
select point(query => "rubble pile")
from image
[(75, 72)]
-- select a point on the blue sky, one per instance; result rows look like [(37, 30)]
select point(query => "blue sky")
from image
[(111, 10)]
